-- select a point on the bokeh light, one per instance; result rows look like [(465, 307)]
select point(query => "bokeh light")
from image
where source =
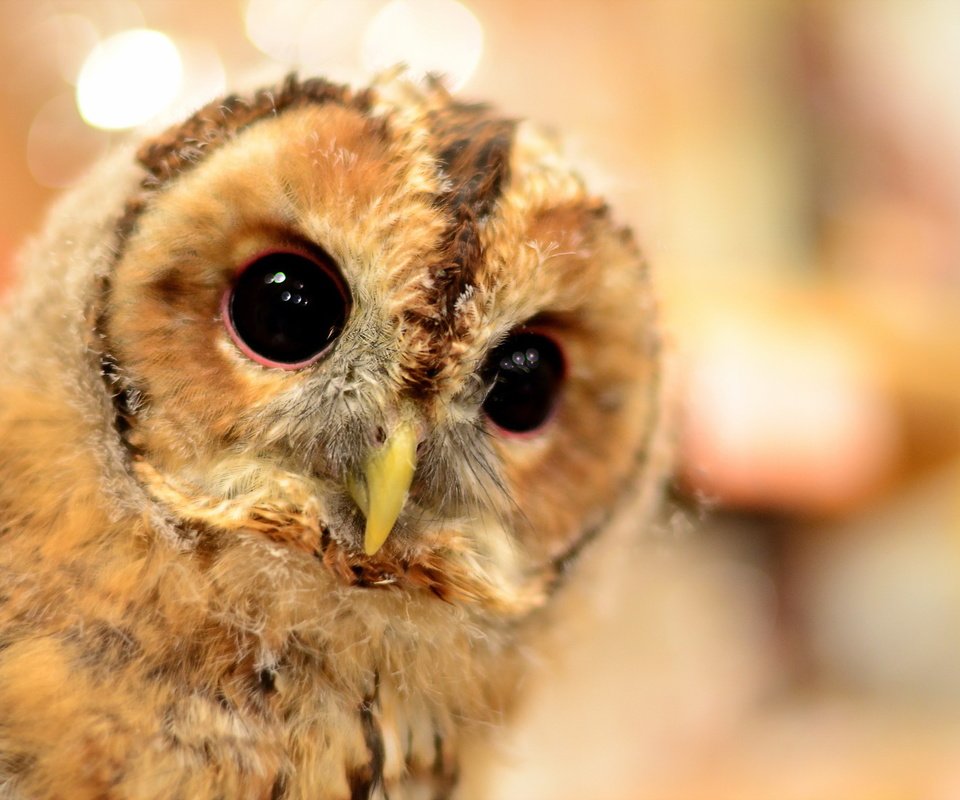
[(440, 36), (129, 79), (112, 16), (331, 37), (70, 38), (272, 26)]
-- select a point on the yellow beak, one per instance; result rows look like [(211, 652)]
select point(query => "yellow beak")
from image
[(388, 473)]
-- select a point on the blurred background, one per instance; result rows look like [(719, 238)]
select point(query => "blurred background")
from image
[(790, 627)]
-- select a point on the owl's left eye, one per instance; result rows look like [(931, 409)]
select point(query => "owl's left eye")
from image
[(286, 308), (526, 374)]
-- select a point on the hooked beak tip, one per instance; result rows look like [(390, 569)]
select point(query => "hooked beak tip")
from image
[(382, 493)]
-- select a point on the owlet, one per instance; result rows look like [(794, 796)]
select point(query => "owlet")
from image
[(310, 407)]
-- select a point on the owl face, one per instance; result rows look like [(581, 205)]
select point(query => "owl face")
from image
[(384, 330)]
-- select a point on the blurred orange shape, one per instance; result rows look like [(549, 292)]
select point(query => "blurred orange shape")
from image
[(782, 413)]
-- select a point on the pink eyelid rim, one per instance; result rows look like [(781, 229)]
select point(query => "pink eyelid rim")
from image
[(554, 410), (228, 319)]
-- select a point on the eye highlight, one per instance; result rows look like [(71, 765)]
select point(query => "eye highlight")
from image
[(525, 374), (285, 308)]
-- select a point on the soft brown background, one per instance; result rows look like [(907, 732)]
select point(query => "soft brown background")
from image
[(790, 628)]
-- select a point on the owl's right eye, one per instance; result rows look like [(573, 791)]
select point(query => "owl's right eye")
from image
[(285, 309)]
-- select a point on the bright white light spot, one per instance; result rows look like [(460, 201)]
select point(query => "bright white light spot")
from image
[(428, 35), (128, 79), (59, 146), (69, 38), (274, 26), (330, 39)]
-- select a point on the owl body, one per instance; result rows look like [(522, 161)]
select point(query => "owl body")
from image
[(195, 598)]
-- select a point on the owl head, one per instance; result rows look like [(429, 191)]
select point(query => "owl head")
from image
[(383, 331)]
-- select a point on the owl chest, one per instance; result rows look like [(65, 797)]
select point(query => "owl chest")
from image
[(326, 742), (375, 748), (288, 732), (330, 719)]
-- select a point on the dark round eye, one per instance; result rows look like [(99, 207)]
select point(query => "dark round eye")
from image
[(285, 308), (525, 374)]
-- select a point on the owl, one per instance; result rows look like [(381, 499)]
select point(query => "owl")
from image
[(311, 408)]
